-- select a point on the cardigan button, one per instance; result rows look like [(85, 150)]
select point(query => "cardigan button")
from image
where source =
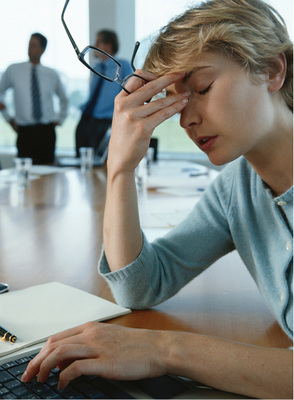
[(288, 245), (282, 296), (281, 203)]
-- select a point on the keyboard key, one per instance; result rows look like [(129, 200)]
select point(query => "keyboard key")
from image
[(23, 360), (14, 383), (22, 392), (18, 370), (3, 390), (5, 376), (9, 364), (9, 396)]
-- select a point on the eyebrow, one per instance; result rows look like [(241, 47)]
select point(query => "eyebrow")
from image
[(189, 74)]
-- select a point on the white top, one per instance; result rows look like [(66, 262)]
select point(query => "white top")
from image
[(18, 78)]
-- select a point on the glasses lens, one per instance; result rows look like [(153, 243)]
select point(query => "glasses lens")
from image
[(109, 68)]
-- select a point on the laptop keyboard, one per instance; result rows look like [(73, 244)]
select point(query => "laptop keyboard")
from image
[(84, 387)]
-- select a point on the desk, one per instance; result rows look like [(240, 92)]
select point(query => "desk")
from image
[(52, 231)]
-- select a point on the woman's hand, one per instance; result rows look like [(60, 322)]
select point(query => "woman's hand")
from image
[(134, 120), (109, 351), (115, 352)]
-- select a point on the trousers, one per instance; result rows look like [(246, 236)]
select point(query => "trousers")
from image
[(90, 131), (37, 142)]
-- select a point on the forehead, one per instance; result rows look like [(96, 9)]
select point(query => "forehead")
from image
[(207, 60), (206, 65), (35, 41)]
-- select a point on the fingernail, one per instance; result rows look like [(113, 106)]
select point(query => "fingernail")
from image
[(185, 94), (184, 101)]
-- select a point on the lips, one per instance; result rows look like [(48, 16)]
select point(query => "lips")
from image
[(206, 142)]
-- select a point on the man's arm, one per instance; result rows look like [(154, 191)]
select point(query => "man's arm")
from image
[(63, 101), (5, 84)]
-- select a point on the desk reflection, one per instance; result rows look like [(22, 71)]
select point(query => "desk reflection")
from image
[(52, 231)]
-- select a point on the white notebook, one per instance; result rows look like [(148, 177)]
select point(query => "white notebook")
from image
[(35, 313)]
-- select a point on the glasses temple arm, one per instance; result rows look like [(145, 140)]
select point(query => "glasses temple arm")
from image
[(137, 45), (76, 49)]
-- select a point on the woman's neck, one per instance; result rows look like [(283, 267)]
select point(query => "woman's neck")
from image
[(274, 163)]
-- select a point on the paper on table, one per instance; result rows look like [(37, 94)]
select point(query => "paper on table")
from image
[(48, 169), (9, 176), (35, 313)]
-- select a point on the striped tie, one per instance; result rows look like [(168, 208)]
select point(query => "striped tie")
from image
[(94, 98), (36, 98)]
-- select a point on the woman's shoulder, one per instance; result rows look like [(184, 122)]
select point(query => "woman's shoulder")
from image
[(234, 184), (235, 176)]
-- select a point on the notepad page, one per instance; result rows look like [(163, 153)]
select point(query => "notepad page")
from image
[(35, 313)]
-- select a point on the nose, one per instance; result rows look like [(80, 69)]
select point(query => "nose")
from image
[(190, 115)]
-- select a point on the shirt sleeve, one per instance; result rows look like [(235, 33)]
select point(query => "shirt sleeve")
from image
[(63, 100), (126, 68), (167, 264), (5, 84)]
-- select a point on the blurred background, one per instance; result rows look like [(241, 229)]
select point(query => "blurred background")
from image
[(132, 19)]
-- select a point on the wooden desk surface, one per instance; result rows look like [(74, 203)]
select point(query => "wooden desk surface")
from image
[(52, 231)]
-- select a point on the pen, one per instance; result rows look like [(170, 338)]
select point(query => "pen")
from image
[(7, 335)]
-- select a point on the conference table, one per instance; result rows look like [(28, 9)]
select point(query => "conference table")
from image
[(52, 231)]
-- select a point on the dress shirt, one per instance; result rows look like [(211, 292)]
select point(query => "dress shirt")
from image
[(18, 78), (237, 211), (109, 90)]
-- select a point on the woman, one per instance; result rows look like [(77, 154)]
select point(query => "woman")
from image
[(227, 69)]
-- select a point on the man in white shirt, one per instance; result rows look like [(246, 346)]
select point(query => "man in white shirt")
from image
[(34, 87)]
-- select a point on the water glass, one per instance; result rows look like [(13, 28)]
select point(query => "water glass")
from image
[(87, 158), (22, 168)]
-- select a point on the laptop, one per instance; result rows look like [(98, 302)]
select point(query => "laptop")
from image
[(100, 155), (94, 387)]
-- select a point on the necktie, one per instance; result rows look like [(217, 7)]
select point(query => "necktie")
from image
[(93, 99), (36, 98)]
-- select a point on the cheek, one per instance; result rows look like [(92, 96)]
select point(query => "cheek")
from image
[(242, 108)]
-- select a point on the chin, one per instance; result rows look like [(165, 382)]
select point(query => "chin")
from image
[(219, 160)]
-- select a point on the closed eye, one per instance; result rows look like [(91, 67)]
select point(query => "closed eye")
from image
[(202, 92)]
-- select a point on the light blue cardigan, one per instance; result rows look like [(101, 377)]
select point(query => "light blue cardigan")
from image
[(237, 211)]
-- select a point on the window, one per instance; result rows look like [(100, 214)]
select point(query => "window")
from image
[(20, 18)]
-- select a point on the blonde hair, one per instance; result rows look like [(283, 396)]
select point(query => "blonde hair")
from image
[(250, 31)]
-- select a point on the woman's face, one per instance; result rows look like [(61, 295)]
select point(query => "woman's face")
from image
[(227, 115)]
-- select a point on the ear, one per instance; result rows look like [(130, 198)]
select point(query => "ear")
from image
[(277, 72)]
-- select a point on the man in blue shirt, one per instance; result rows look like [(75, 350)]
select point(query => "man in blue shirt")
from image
[(98, 110)]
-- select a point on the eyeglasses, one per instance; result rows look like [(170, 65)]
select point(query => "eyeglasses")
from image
[(3, 287), (90, 52)]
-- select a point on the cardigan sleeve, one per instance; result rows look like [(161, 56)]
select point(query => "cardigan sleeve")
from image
[(164, 266)]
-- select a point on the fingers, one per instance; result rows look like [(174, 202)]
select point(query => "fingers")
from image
[(62, 356), (142, 91), (76, 369), (54, 342), (164, 103), (157, 111), (135, 83)]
